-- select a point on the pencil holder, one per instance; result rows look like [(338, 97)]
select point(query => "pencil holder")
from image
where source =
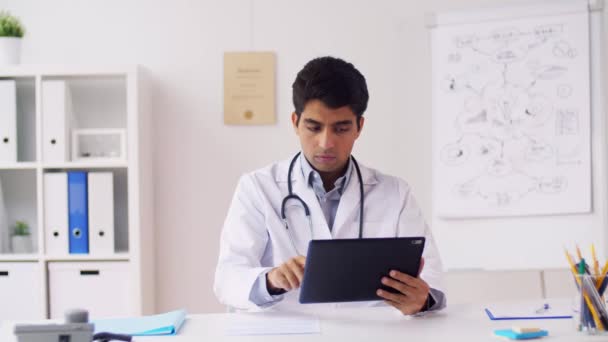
[(590, 315)]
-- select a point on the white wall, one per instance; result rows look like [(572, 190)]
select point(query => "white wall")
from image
[(198, 159)]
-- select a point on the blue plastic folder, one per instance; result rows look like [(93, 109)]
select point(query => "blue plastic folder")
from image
[(78, 213), (541, 309), (521, 317), (163, 324)]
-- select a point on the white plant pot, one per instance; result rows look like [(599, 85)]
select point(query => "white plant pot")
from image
[(10, 50), (21, 244)]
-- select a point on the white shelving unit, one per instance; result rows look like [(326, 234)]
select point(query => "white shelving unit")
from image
[(39, 284)]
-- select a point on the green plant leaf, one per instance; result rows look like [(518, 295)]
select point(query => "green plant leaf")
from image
[(10, 26), (21, 228)]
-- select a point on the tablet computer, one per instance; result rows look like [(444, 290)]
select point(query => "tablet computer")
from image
[(348, 270)]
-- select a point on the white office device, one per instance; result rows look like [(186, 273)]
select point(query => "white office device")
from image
[(56, 115), (76, 328), (56, 213), (8, 121), (101, 213)]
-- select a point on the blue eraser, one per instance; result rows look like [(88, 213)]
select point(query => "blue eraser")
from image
[(520, 336)]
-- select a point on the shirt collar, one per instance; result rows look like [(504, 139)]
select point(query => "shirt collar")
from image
[(313, 178)]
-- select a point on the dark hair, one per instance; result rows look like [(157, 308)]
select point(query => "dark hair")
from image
[(334, 82)]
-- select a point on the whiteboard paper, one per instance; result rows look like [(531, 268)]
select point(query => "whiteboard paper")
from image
[(511, 117)]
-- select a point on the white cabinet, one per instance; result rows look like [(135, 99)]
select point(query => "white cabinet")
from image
[(116, 276), (21, 294), (102, 288)]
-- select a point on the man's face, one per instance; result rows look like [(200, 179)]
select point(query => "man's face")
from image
[(327, 135)]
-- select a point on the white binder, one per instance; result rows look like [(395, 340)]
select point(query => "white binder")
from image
[(8, 122), (56, 213), (56, 115), (101, 213)]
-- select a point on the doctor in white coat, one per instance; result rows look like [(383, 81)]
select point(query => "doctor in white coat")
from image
[(261, 263)]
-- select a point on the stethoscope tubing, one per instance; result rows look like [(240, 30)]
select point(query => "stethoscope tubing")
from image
[(292, 196)]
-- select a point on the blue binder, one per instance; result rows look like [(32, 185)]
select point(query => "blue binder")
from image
[(78, 215)]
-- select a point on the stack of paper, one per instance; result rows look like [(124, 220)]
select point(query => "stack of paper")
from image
[(264, 324), (163, 324)]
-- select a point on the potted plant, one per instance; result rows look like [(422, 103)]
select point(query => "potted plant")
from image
[(11, 32), (20, 241)]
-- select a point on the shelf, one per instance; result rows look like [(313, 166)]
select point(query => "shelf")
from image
[(19, 257), (87, 257), (89, 99), (31, 70), (87, 165), (19, 166), (66, 165)]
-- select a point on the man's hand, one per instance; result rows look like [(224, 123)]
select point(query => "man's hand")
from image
[(413, 292), (286, 277)]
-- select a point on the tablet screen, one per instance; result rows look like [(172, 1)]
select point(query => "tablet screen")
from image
[(349, 270)]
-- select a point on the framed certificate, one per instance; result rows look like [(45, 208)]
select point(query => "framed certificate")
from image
[(249, 88)]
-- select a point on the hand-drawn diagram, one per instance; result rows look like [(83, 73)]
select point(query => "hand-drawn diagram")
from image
[(511, 118)]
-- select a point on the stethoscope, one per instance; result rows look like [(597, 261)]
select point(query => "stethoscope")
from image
[(292, 196)]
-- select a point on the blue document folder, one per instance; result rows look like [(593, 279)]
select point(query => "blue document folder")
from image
[(163, 324), (494, 317), (552, 309), (78, 215)]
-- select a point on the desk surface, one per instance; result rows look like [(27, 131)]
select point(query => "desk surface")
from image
[(456, 323)]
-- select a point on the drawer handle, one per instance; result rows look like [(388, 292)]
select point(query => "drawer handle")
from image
[(3, 273), (89, 272)]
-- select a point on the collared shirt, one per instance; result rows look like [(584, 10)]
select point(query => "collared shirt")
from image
[(328, 200)]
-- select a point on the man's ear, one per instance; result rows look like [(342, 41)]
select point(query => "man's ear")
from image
[(294, 121), (361, 123)]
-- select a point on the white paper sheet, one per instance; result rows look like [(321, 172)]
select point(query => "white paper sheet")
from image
[(552, 308), (264, 324), (511, 117)]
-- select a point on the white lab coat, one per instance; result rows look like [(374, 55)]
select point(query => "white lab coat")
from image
[(254, 238)]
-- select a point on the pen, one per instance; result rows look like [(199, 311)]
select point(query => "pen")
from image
[(579, 284), (542, 309), (602, 287), (601, 278), (585, 310), (594, 314), (578, 253), (572, 268), (596, 264)]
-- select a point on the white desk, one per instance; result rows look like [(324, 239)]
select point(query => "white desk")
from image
[(457, 323)]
